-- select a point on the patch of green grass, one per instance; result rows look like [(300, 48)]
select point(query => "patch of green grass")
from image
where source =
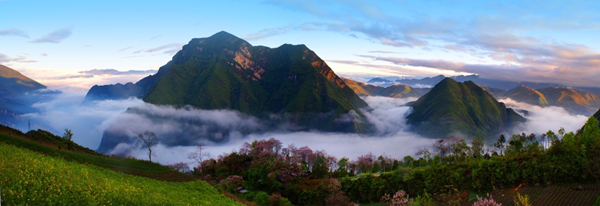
[(126, 165), (32, 178)]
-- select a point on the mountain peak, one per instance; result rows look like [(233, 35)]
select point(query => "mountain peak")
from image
[(454, 108), (223, 34)]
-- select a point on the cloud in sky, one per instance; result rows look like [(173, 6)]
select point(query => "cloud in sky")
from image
[(154, 37), (82, 81), (495, 37), (569, 65), (14, 32), (7, 59), (126, 48), (269, 32), (55, 36), (116, 72), (169, 49)]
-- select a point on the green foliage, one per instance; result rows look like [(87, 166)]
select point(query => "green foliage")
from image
[(68, 134), (568, 160), (320, 169), (262, 199), (376, 168), (423, 200), (258, 179), (285, 202), (32, 178)]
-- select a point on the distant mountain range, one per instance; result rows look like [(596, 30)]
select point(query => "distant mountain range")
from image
[(501, 84), (462, 109), (578, 100), (396, 91), (226, 72), (574, 101)]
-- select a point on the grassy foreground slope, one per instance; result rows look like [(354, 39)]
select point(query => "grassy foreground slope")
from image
[(48, 144), (29, 177)]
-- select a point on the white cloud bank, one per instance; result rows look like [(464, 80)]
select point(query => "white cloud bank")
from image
[(89, 122)]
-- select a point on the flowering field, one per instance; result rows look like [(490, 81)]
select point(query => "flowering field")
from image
[(125, 165), (28, 177)]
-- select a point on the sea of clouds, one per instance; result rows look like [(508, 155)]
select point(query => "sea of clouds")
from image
[(220, 128)]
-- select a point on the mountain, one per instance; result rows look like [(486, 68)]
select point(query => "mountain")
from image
[(578, 102), (17, 95), (453, 108), (424, 82), (226, 72), (396, 91), (493, 91), (574, 101), (13, 82), (527, 95), (494, 83)]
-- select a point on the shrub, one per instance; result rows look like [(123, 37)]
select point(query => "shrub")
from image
[(262, 198)]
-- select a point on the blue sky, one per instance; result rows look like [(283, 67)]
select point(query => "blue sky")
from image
[(59, 42)]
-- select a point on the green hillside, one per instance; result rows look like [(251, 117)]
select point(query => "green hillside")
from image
[(226, 72), (51, 145), (464, 109), (39, 168), (29, 177)]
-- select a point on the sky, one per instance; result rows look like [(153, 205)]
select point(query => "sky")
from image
[(72, 45)]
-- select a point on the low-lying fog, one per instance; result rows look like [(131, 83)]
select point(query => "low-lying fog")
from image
[(88, 122)]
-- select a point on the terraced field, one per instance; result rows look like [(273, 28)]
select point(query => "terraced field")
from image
[(552, 195)]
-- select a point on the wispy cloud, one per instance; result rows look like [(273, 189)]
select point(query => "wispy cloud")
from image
[(14, 32), (494, 36), (126, 48), (55, 36), (169, 49), (98, 72), (384, 52), (6, 59), (269, 32), (154, 37), (116, 72)]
